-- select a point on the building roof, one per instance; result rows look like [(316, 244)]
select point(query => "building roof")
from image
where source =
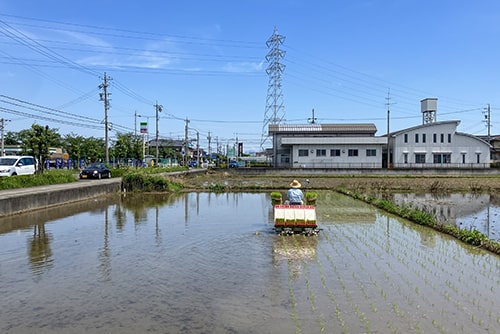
[(338, 129)]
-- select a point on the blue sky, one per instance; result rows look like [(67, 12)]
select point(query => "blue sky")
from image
[(205, 61)]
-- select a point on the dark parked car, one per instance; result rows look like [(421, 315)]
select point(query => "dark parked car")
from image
[(96, 170)]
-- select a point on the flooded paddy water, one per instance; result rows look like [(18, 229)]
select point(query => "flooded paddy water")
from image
[(211, 263)]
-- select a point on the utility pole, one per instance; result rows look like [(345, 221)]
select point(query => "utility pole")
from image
[(209, 138), (388, 104), (488, 121), (197, 148), (135, 123), (158, 109), (104, 96), (2, 130), (186, 141)]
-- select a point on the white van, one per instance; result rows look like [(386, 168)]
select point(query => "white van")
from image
[(17, 165)]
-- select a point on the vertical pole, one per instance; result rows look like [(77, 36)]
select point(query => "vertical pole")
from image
[(489, 124), (106, 135), (143, 146), (197, 149), (186, 142), (135, 124), (388, 129), (209, 149), (157, 133), (2, 123), (104, 97)]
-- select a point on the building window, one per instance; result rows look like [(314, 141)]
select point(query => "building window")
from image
[(405, 157), (406, 137), (371, 153), (442, 158), (434, 138), (463, 158), (416, 137), (303, 153), (335, 153), (321, 153), (352, 153), (449, 137), (423, 138), (478, 157), (442, 138), (420, 158)]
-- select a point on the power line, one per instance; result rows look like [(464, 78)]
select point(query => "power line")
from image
[(20, 113), (37, 107), (134, 33)]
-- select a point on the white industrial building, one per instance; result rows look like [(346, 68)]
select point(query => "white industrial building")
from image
[(430, 145), (437, 144), (326, 146)]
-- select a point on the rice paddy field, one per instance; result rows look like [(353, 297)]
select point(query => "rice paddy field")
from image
[(212, 263)]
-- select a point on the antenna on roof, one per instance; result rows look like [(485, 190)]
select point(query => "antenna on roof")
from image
[(312, 119)]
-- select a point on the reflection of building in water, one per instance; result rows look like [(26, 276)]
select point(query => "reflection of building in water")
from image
[(469, 211), (295, 249)]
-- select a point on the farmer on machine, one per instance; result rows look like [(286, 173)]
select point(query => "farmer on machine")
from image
[(295, 195)]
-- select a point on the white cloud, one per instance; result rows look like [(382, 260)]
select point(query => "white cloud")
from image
[(244, 67)]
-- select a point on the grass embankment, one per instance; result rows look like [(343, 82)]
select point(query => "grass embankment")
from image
[(148, 176), (48, 177), (472, 237)]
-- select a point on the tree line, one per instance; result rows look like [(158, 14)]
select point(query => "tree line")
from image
[(38, 139)]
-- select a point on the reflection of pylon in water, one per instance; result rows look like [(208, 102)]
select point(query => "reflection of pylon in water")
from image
[(275, 109)]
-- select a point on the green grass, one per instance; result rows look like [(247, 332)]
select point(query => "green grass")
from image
[(143, 182), (56, 176), (59, 176)]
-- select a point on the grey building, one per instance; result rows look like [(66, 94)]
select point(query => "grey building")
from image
[(326, 146)]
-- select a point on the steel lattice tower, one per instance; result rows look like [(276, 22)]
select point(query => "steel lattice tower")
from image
[(275, 109)]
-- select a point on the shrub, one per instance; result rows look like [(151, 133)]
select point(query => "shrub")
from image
[(134, 181)]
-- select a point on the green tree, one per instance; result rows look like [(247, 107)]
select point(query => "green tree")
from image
[(12, 138), (38, 139), (74, 146), (127, 146), (93, 149)]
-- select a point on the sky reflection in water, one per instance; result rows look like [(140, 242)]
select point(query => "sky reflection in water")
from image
[(211, 263)]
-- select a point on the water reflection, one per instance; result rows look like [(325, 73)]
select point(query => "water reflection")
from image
[(39, 250), (294, 250), (469, 211), (211, 263)]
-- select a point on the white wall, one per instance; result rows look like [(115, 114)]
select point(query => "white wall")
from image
[(460, 144), (342, 161)]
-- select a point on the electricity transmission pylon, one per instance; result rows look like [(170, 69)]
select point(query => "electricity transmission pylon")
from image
[(275, 109)]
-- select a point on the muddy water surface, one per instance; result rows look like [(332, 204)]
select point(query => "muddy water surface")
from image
[(211, 263)]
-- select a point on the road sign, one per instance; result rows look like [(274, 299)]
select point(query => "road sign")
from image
[(144, 127)]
